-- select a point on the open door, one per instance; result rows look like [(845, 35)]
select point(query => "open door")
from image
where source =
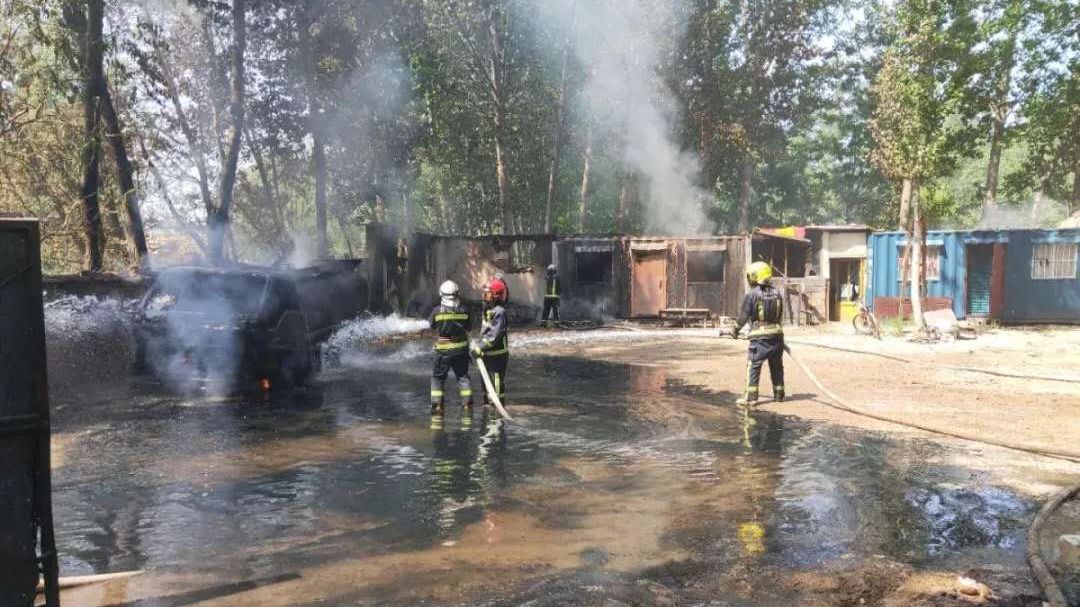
[(980, 264), (649, 293)]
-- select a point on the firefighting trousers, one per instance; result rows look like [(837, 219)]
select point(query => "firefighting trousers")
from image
[(496, 368), (551, 307), (458, 361), (764, 349)]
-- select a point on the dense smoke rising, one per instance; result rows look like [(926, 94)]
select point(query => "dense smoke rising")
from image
[(621, 45)]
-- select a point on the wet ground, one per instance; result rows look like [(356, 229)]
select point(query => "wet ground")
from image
[(615, 485)]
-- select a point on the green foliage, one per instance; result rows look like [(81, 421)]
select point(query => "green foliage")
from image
[(833, 101)]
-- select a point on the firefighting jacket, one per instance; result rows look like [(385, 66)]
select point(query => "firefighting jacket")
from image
[(452, 325), (764, 308), (551, 287), (493, 332)]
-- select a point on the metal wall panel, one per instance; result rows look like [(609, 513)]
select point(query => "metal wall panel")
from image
[(1025, 299), (1028, 300), (25, 493)]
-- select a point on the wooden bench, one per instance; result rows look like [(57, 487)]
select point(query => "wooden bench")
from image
[(682, 317)]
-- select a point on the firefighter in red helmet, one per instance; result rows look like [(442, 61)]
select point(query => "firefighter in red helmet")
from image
[(493, 345)]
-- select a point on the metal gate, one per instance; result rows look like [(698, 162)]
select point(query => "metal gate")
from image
[(25, 490)]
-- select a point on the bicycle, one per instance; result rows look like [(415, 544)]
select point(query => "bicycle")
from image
[(866, 323)]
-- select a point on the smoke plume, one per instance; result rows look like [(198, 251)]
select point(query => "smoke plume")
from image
[(621, 44)]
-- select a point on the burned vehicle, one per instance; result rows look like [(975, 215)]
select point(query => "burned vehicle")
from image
[(243, 327)]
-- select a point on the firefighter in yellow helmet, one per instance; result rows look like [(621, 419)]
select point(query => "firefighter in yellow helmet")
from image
[(763, 309)]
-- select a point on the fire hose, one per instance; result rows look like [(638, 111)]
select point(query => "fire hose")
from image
[(492, 393), (1039, 568)]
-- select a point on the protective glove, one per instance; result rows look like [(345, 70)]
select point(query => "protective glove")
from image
[(475, 349)]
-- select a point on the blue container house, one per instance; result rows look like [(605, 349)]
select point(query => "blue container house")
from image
[(1015, 276)]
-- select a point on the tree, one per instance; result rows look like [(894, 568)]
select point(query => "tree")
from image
[(93, 48), (1050, 111), (218, 219), (752, 79), (914, 97)]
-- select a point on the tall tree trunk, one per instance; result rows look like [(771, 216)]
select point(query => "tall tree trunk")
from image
[(999, 113), (315, 128), (904, 224), (218, 222), (318, 162), (918, 253), (495, 76), (1074, 200), (746, 182), (134, 233), (905, 206), (93, 52), (997, 134), (586, 169), (556, 146), (500, 175)]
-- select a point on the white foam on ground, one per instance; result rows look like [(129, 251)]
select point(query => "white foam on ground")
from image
[(72, 316)]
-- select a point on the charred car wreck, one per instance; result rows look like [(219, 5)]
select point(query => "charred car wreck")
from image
[(243, 327)]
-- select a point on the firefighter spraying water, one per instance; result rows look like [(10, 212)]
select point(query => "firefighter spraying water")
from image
[(452, 324), (493, 348)]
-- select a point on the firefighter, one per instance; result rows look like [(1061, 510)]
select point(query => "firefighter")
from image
[(551, 296), (493, 345), (763, 308), (452, 325)]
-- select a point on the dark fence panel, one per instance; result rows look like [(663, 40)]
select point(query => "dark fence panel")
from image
[(25, 492)]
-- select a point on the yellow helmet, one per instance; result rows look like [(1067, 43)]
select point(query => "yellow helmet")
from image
[(758, 273)]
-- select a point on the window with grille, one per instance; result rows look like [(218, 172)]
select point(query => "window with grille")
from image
[(932, 261), (1050, 261)]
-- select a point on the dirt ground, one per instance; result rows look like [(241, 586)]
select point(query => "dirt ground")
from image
[(1038, 413), (925, 387)]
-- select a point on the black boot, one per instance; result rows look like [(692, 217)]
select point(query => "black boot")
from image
[(778, 395)]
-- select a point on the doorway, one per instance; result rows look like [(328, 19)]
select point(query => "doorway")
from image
[(845, 288), (648, 293), (980, 259)]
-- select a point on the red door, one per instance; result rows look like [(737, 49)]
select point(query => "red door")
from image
[(997, 281)]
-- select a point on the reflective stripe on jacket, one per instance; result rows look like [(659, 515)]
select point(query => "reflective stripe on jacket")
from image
[(551, 287), (493, 332), (764, 308), (452, 326)]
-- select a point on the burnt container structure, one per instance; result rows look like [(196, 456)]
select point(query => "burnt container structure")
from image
[(27, 546)]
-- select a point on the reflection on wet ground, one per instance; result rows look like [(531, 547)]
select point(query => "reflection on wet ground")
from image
[(353, 493)]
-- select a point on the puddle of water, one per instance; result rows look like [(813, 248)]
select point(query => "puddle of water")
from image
[(611, 469)]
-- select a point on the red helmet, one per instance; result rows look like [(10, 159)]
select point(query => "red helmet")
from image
[(497, 289)]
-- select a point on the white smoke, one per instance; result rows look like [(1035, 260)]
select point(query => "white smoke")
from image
[(1039, 212), (621, 45)]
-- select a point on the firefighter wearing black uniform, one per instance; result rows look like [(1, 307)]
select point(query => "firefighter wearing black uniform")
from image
[(551, 295), (451, 323), (763, 308), (494, 345)]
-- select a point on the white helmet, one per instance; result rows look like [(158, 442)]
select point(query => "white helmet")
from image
[(448, 289)]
